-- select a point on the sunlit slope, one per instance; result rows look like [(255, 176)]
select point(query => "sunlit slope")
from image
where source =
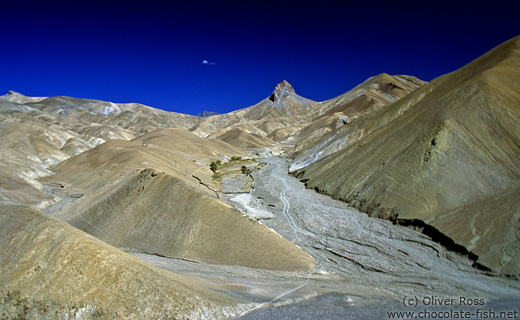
[(173, 151), (52, 270), (38, 132), (445, 154), (243, 139), (281, 109), (131, 116), (332, 130), (155, 195), (29, 144)]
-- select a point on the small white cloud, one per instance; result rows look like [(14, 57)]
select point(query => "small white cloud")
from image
[(206, 62)]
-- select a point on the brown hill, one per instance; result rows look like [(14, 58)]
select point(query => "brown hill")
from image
[(38, 132), (323, 135), (282, 108), (19, 98), (242, 139), (445, 155), (289, 118), (52, 270), (374, 93), (154, 194), (135, 117), (30, 144)]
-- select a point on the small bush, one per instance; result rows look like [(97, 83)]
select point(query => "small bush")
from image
[(213, 166), (245, 170), (235, 158)]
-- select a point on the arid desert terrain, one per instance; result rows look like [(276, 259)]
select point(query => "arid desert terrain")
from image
[(399, 195)]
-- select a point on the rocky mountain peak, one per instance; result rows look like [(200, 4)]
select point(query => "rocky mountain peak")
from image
[(282, 87), (285, 85)]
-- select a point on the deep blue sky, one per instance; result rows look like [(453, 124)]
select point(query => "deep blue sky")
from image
[(152, 52)]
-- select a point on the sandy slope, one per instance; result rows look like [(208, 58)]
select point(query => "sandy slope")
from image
[(445, 155), (437, 155), (50, 269), (138, 198)]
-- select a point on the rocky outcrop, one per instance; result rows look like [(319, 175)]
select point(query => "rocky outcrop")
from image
[(282, 88), (283, 108)]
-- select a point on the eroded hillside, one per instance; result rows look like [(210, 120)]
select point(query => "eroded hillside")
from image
[(51, 269), (437, 155), (155, 195), (85, 183)]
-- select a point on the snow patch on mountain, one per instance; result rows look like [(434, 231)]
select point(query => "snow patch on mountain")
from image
[(110, 109)]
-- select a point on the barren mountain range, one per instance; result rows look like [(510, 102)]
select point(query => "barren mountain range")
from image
[(93, 194)]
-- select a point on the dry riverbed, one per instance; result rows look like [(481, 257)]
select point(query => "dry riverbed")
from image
[(364, 267)]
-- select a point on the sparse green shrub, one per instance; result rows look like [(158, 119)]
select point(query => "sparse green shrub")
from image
[(245, 170), (218, 162), (213, 166), (235, 158)]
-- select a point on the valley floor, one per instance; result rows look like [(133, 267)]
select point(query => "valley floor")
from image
[(364, 267)]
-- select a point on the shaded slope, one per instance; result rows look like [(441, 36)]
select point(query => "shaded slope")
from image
[(440, 150), (50, 269), (172, 208)]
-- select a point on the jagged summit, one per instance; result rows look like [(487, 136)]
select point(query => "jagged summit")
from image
[(281, 88)]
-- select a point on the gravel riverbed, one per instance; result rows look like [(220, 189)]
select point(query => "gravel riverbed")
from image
[(364, 267)]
